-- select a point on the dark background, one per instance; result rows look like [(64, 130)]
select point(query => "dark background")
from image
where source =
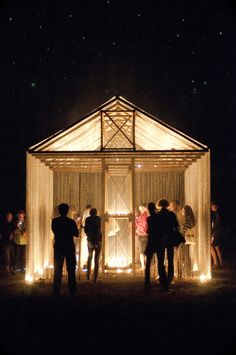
[(61, 59)]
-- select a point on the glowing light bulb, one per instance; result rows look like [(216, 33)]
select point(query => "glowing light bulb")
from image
[(203, 278), (29, 279)]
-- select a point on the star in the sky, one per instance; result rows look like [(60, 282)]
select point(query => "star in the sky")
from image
[(33, 84)]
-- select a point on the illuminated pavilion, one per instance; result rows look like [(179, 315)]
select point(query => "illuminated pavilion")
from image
[(115, 158)]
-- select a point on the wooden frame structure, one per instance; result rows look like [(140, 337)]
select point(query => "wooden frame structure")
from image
[(116, 135)]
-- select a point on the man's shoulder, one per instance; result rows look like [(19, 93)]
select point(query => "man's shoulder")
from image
[(63, 220), (56, 219)]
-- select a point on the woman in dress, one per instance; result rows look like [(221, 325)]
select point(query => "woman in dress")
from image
[(141, 233)]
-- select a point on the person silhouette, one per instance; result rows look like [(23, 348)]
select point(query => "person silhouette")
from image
[(64, 229), (153, 239), (92, 229), (168, 223)]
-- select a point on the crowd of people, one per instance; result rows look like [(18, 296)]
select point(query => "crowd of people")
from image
[(13, 241), (159, 228)]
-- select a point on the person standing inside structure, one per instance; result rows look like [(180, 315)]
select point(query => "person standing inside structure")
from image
[(92, 229), (176, 207), (141, 232), (64, 229)]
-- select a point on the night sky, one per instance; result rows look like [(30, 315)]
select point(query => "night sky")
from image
[(61, 59)]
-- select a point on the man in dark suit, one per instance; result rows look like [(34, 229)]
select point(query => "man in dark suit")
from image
[(92, 229), (64, 230), (167, 224)]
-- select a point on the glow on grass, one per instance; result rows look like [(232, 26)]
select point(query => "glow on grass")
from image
[(204, 278), (29, 279)]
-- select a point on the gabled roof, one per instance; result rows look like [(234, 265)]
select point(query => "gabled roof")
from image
[(118, 125)]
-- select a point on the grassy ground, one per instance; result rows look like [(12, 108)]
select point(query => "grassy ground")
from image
[(118, 316)]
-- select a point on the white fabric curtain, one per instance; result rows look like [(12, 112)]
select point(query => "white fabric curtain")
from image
[(197, 195), (39, 207), (78, 190), (150, 186)]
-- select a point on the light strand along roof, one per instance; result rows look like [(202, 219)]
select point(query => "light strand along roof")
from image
[(118, 125)]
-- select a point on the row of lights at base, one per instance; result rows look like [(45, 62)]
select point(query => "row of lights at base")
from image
[(29, 279)]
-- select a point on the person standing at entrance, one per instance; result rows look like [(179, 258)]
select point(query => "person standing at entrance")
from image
[(153, 239), (83, 242), (175, 206), (216, 239), (92, 229), (64, 229), (141, 232), (168, 223)]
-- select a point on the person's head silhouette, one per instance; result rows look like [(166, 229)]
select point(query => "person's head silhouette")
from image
[(93, 212), (63, 209)]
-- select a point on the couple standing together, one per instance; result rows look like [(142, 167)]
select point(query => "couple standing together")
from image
[(65, 229), (160, 229)]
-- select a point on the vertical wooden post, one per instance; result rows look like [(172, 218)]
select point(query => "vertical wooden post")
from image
[(103, 213), (133, 214), (101, 119), (134, 144)]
